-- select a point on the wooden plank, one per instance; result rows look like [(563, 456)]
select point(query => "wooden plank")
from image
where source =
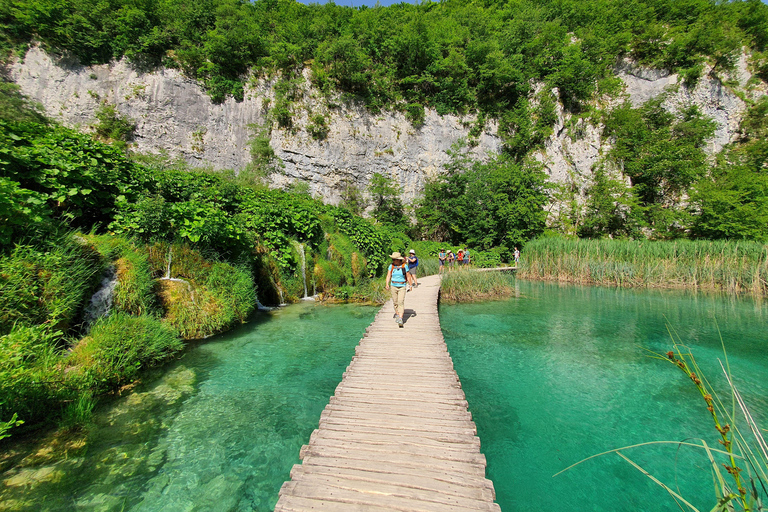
[(397, 435), (471, 489)]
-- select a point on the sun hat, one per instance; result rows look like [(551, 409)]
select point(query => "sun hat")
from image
[(396, 256), (412, 251)]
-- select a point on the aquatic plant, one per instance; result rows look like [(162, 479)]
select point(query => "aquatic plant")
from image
[(741, 437), (732, 267), (465, 285), (739, 469)]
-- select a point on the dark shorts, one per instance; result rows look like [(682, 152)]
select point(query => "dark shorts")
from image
[(412, 271)]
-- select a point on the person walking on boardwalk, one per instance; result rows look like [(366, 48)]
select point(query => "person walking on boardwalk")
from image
[(460, 257), (398, 276), (441, 256), (517, 256), (413, 262), (466, 257), (451, 258)]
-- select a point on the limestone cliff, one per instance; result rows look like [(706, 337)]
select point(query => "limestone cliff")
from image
[(174, 115)]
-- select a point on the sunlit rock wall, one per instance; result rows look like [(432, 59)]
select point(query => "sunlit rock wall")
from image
[(175, 116)]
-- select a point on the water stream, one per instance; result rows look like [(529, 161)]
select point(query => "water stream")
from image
[(560, 373), (101, 301)]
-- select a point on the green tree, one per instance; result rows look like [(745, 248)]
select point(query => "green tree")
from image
[(388, 208)]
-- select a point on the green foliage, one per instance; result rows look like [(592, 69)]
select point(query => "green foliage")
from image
[(498, 203), (117, 347), (47, 284), (112, 126), (77, 177), (732, 202), (5, 426), (611, 209), (352, 198), (31, 377), (414, 112), (388, 208), (318, 127), (370, 240), (661, 155), (16, 107), (451, 56)]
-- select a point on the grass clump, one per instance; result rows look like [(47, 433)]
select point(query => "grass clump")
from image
[(47, 284), (117, 347), (470, 286), (732, 267), (200, 297), (31, 375)]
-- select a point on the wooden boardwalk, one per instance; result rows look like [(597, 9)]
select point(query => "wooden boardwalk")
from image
[(397, 435)]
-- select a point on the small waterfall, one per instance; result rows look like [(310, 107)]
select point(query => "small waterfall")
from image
[(101, 301), (167, 277), (168, 268), (302, 257)]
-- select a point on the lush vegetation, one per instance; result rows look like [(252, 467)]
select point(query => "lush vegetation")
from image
[(707, 265), (191, 250), (185, 252), (463, 285), (452, 55)]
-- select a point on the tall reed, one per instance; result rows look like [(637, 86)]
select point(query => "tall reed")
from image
[(466, 285), (732, 267)]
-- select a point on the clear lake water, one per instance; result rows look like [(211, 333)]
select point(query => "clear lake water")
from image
[(560, 373), (553, 375)]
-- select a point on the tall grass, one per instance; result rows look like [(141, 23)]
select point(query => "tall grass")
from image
[(464, 285), (732, 267), (47, 284), (135, 289), (117, 347)]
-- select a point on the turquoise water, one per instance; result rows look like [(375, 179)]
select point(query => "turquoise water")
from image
[(217, 430), (559, 373)]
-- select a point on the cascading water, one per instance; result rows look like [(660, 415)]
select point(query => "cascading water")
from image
[(167, 276), (101, 301), (303, 259)]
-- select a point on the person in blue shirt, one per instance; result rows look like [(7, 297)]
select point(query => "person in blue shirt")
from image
[(442, 257), (398, 277), (413, 262)]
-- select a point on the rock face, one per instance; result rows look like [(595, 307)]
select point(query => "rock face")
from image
[(175, 116)]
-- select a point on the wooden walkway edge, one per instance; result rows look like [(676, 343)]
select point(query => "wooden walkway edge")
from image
[(396, 435)]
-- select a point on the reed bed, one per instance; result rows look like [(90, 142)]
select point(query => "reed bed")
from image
[(466, 285), (731, 267)]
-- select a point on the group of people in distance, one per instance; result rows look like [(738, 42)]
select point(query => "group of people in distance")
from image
[(401, 274), (461, 258)]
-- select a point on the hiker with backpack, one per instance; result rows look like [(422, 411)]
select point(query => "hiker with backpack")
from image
[(399, 277), (413, 262)]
